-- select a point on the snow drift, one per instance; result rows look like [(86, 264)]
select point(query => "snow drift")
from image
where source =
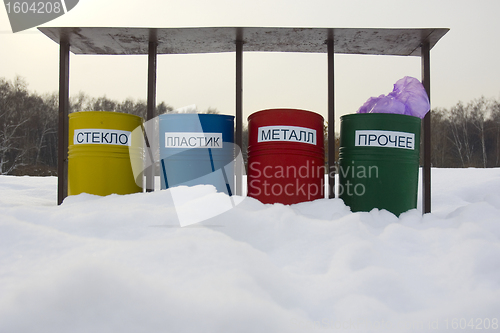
[(123, 263)]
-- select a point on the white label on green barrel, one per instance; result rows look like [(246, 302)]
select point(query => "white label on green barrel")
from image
[(379, 138), (100, 136), (287, 133), (193, 140)]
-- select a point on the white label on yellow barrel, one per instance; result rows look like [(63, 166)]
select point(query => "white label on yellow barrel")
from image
[(193, 140), (379, 138), (287, 133), (100, 136)]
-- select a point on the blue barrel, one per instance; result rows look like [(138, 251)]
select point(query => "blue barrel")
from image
[(197, 149)]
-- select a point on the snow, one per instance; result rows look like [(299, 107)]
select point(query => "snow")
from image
[(124, 263)]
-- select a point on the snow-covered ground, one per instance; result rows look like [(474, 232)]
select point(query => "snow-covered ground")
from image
[(123, 263)]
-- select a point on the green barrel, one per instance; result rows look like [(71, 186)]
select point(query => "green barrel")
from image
[(379, 161)]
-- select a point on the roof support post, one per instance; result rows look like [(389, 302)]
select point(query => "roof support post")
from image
[(426, 144), (331, 120), (239, 113), (62, 131), (151, 105)]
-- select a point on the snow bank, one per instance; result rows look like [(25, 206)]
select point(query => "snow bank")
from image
[(123, 263)]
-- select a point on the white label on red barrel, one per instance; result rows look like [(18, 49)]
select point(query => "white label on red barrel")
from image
[(100, 136), (193, 140), (379, 138), (287, 133)]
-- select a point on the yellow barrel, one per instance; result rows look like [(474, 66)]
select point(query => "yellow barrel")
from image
[(101, 152)]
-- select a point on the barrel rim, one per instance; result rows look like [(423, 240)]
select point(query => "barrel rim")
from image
[(85, 113), (257, 113), (381, 115), (203, 115)]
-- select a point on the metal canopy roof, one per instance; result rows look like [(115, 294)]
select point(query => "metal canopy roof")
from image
[(94, 40)]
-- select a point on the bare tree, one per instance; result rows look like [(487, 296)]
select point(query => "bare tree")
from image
[(440, 142), (495, 118), (47, 122), (459, 134), (12, 118), (211, 110), (80, 102), (479, 114), (10, 153), (163, 108)]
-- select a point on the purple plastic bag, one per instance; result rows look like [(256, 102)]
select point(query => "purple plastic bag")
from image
[(408, 97)]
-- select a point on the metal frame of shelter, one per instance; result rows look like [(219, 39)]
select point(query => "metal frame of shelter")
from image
[(154, 41)]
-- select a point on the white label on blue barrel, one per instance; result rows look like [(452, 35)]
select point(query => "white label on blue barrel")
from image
[(379, 138), (287, 133), (193, 140), (100, 136)]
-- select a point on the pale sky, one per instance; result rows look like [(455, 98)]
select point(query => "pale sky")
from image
[(464, 63)]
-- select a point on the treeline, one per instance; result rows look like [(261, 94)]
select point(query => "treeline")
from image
[(466, 135), (28, 125), (28, 129)]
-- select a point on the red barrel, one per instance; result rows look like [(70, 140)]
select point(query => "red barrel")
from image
[(285, 156)]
